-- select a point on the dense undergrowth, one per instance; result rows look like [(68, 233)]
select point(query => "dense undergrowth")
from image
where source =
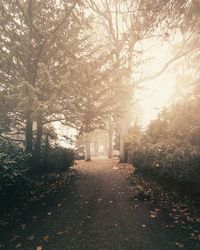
[(20, 182), (177, 167), (169, 150)]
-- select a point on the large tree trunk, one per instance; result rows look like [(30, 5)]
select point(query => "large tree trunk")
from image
[(110, 139), (29, 135), (46, 150), (121, 150), (87, 148), (123, 133), (105, 147), (110, 149), (38, 142), (96, 147)]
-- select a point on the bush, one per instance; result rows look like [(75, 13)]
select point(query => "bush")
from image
[(167, 163), (13, 169), (57, 159), (17, 181), (169, 148)]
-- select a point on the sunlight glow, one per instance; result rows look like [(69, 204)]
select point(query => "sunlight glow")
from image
[(156, 94)]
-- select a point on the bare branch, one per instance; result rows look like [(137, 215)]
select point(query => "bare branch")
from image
[(166, 66)]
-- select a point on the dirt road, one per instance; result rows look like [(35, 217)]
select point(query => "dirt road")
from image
[(99, 212)]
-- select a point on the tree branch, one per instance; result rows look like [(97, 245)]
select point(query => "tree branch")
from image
[(166, 66)]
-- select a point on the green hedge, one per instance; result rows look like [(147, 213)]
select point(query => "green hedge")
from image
[(17, 179), (57, 159), (169, 164), (13, 165)]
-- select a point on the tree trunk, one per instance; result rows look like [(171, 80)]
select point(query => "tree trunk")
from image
[(87, 148), (123, 133), (110, 150), (96, 148), (121, 150), (38, 142), (46, 150), (29, 135), (110, 139)]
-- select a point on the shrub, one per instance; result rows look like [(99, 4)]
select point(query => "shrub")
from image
[(168, 163), (13, 169), (17, 181), (57, 159)]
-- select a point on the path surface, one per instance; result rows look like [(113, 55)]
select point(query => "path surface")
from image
[(98, 213)]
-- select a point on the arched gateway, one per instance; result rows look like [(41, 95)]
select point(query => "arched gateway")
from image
[(98, 143)]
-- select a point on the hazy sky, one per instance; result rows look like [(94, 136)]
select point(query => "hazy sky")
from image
[(157, 93)]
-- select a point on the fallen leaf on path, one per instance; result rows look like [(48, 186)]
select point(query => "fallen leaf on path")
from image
[(115, 168), (31, 237), (3, 222), (61, 232), (15, 237), (39, 248), (179, 244), (46, 237), (153, 214), (23, 226)]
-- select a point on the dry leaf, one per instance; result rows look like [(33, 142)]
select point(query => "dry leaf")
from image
[(23, 226), (18, 245), (15, 237), (179, 244), (39, 248), (115, 168), (153, 216), (31, 237), (61, 232), (46, 237)]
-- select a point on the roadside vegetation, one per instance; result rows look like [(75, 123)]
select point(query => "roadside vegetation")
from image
[(168, 151), (20, 183)]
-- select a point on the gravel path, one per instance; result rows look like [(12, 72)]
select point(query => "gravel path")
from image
[(99, 212)]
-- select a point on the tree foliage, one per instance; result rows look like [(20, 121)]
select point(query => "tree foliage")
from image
[(169, 150)]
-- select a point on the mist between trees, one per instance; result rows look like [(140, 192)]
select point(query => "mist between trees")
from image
[(80, 63)]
